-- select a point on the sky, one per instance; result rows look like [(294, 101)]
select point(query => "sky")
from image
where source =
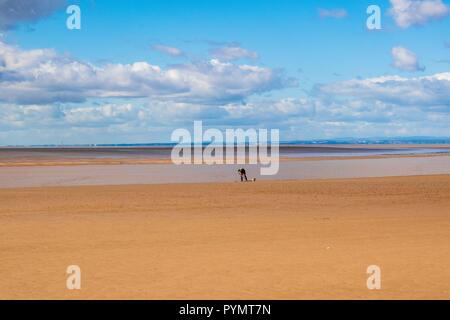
[(139, 69)]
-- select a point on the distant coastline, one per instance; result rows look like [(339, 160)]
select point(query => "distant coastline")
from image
[(337, 141)]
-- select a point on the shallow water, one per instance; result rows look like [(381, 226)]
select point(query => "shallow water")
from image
[(288, 151), (11, 177)]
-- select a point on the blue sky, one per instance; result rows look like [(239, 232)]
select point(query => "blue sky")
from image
[(139, 69)]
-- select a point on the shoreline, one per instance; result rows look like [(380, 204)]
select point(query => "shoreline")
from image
[(228, 183), (166, 173)]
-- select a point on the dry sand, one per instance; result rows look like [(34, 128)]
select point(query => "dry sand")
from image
[(290, 240)]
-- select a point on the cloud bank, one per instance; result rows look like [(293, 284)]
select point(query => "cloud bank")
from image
[(381, 106), (427, 92), (41, 76)]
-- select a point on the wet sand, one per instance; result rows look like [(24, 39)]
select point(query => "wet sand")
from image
[(105, 174), (272, 239), (43, 156)]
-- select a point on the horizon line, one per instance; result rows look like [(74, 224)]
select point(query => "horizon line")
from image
[(331, 141)]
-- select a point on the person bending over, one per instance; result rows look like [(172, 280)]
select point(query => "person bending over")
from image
[(243, 174)]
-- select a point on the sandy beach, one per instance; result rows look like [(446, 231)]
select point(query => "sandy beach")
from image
[(310, 239), (224, 150)]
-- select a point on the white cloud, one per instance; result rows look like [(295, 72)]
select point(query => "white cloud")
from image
[(103, 115), (333, 13), (368, 109), (230, 53), (406, 60), (40, 90), (428, 92), (407, 13), (42, 76), (13, 12), (272, 111), (171, 51)]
